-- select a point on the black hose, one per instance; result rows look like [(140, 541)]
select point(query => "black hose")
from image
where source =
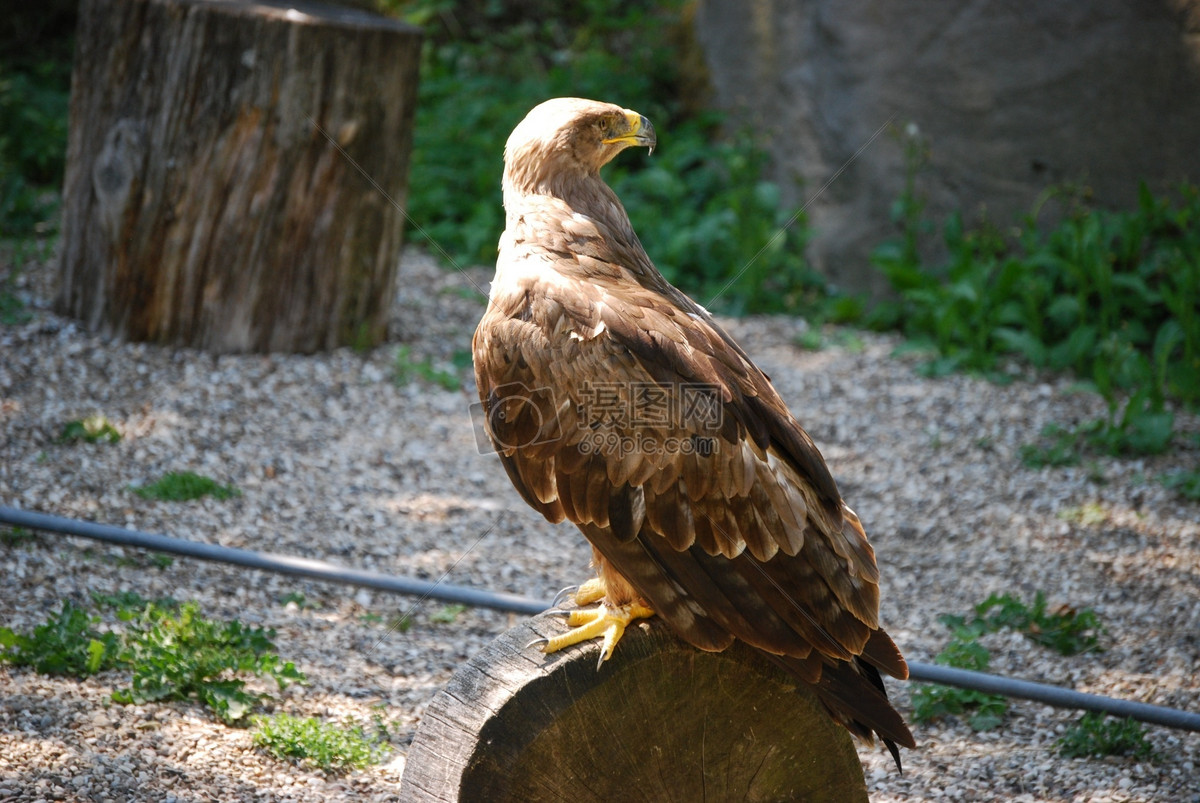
[(1054, 695), (280, 564), (515, 603)]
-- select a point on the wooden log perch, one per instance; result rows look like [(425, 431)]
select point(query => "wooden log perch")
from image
[(204, 204), (659, 721)]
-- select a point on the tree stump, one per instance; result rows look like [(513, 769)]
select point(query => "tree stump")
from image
[(204, 203), (659, 721)]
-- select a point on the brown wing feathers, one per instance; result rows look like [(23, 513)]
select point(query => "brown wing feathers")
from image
[(737, 530)]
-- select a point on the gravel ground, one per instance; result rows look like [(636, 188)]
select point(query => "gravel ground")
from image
[(338, 461)]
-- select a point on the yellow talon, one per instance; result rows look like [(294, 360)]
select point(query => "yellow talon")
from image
[(608, 621), (591, 591)]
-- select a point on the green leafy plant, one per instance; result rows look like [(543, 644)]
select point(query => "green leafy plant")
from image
[(67, 644), (131, 601), (296, 597), (1185, 483), (1064, 630), (172, 651), (320, 744), (13, 310), (185, 486), (180, 655), (1096, 735), (931, 701), (93, 429), (1057, 446), (710, 221), (16, 536), (448, 614), (409, 368), (33, 144), (1110, 296), (1091, 514)]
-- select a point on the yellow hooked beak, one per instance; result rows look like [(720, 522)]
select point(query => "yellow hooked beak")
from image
[(641, 132)]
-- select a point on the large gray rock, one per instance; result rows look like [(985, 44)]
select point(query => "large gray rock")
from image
[(1010, 97)]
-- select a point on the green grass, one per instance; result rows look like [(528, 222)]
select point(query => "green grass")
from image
[(410, 369), (1097, 736), (93, 429), (185, 486), (334, 748)]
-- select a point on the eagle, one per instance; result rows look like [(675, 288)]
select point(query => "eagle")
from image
[(616, 402)]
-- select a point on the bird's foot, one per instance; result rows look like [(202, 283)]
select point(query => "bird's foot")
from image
[(591, 591), (603, 621)]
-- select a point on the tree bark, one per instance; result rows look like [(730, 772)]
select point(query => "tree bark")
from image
[(659, 721), (211, 196)]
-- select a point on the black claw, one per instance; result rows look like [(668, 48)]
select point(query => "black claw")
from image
[(565, 593), (557, 612)]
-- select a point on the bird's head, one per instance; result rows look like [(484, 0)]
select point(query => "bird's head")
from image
[(568, 139)]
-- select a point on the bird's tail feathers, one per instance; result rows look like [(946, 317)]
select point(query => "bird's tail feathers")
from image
[(854, 695)]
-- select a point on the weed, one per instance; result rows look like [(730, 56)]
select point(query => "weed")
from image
[(1185, 483), (931, 701), (16, 536), (180, 655), (1058, 446), (1064, 630), (409, 368), (13, 311), (462, 359), (131, 601), (174, 653), (296, 597), (811, 339), (448, 614), (93, 429), (1110, 296), (185, 486), (309, 740), (1089, 515), (67, 644), (1096, 735), (33, 144)]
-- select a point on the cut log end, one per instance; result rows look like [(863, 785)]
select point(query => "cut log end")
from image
[(213, 196), (660, 720)]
